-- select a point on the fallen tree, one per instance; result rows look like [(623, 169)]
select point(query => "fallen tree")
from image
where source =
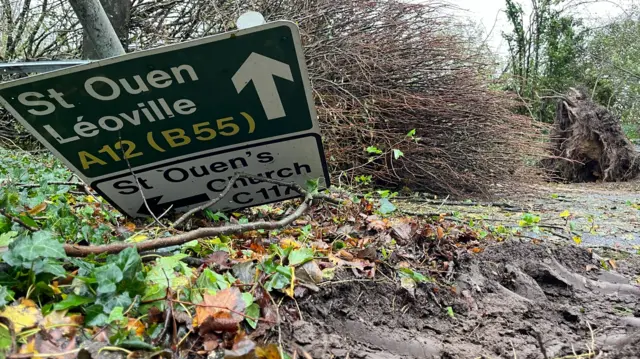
[(588, 144)]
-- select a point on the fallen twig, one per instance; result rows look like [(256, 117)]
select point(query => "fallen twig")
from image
[(83, 251), (18, 221)]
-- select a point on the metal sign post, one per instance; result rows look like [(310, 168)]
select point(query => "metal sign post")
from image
[(184, 118)]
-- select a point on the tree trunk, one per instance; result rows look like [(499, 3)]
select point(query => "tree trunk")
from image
[(119, 12)]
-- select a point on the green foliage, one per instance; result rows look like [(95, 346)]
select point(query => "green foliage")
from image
[(374, 150), (416, 276), (39, 252)]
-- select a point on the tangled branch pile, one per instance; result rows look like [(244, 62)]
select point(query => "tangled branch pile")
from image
[(379, 70), (588, 143)]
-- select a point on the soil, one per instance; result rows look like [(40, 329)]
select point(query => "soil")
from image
[(521, 298), (514, 300)]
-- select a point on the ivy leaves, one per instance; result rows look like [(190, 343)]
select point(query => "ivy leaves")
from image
[(39, 252)]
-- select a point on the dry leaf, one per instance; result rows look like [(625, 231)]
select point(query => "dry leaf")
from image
[(291, 290), (29, 348), (440, 233), (613, 263), (59, 320), (344, 255), (130, 226), (218, 259), (269, 352), (377, 225), (289, 242), (23, 315), (402, 232), (309, 272), (220, 312), (37, 209), (137, 326)]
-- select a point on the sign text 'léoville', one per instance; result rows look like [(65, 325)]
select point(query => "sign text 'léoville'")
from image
[(184, 118)]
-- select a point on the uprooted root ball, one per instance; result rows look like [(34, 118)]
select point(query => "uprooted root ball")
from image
[(588, 143)]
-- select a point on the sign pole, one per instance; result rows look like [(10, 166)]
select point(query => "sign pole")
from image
[(95, 22)]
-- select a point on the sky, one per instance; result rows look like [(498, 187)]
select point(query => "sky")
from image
[(490, 12)]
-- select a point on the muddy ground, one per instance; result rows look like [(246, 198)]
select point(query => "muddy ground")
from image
[(520, 298)]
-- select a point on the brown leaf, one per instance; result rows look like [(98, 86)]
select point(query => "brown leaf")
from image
[(402, 232), (377, 225), (309, 272), (220, 312), (344, 255), (37, 209), (155, 315), (130, 226), (218, 259), (367, 253), (210, 342), (440, 233)]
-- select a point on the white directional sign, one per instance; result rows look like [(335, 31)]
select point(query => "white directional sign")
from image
[(182, 118), (203, 178)]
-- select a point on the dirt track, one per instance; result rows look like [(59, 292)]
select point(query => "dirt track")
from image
[(517, 299)]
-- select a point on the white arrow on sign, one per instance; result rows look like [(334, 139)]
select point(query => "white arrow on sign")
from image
[(261, 70)]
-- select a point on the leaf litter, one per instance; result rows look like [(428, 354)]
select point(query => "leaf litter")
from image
[(382, 279)]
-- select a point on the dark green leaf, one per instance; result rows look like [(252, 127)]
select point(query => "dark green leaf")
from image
[(107, 276), (129, 263), (40, 244), (211, 280), (95, 316), (136, 345), (111, 301), (72, 301), (253, 311), (28, 221), (278, 281)]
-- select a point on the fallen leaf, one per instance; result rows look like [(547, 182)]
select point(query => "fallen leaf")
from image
[(565, 214), (29, 348), (345, 255), (613, 263), (577, 239), (210, 342), (137, 326), (291, 290), (137, 238), (218, 260), (220, 312), (271, 351), (309, 272), (131, 227), (23, 315), (37, 209), (367, 253), (402, 232), (408, 284), (377, 225), (67, 324), (440, 232), (289, 242)]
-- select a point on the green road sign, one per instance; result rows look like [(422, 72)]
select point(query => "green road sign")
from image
[(132, 112)]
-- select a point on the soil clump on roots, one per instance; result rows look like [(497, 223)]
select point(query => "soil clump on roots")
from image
[(588, 143), (514, 299)]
